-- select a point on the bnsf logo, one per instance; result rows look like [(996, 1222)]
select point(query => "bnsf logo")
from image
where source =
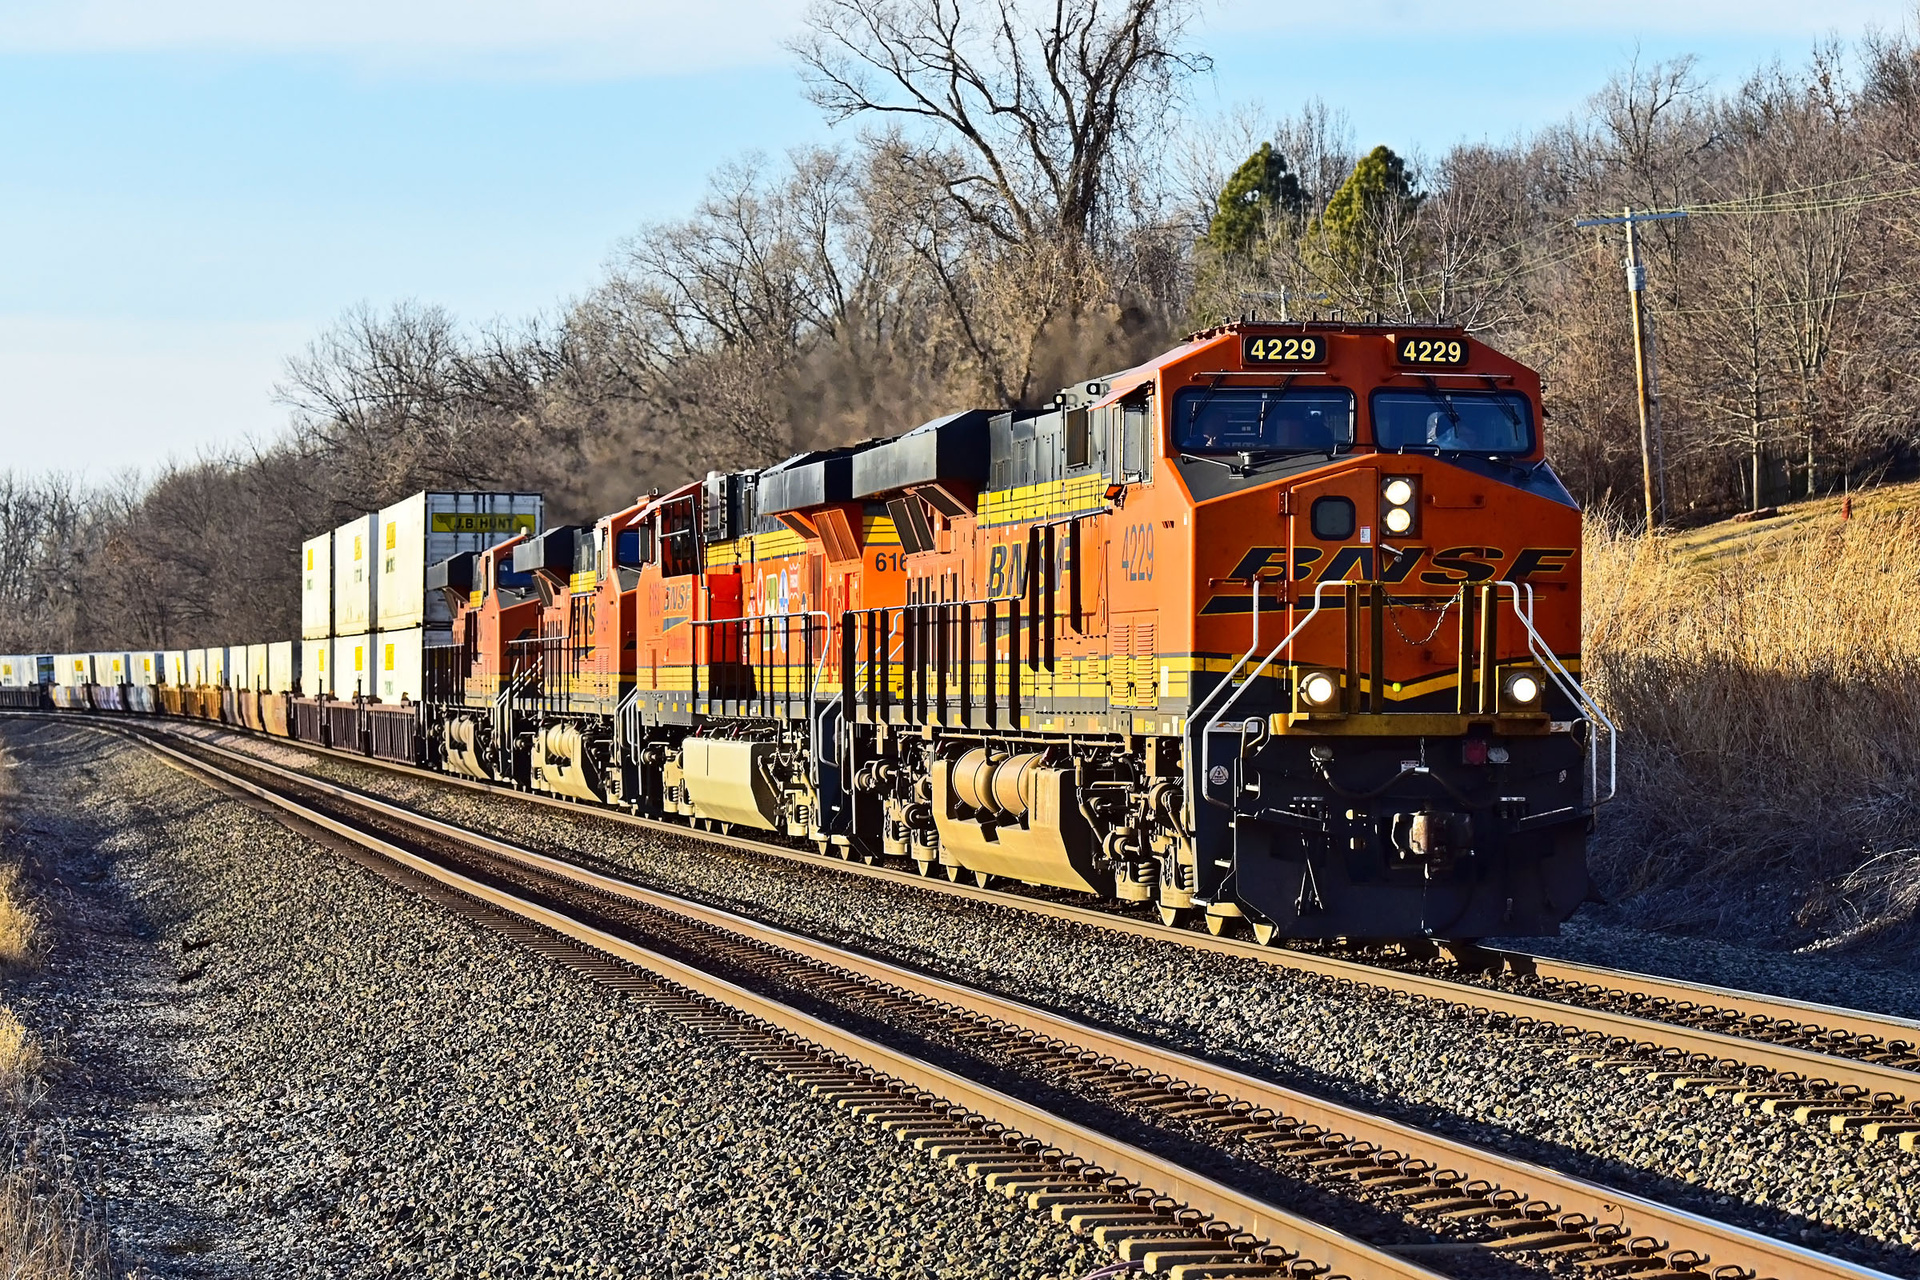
[(1445, 568)]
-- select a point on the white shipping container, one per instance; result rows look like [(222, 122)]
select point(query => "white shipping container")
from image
[(256, 668), (175, 665), (426, 529), (145, 668), (316, 587), (196, 667), (355, 579), (352, 665), (110, 668), (283, 666), (402, 660), (315, 664), (217, 666), (19, 671), (71, 669)]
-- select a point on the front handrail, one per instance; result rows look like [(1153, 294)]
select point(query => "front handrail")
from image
[(1253, 646), (1575, 692), (1206, 734), (1523, 603)]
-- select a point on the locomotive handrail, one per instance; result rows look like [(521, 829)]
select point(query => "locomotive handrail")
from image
[(1576, 693), (1252, 647), (1536, 645), (1206, 734)]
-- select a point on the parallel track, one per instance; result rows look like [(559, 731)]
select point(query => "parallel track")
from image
[(1151, 1209), (1845, 1069)]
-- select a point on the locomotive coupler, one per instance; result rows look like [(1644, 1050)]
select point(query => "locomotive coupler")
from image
[(1431, 836)]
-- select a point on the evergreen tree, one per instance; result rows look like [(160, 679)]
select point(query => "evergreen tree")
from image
[(1376, 197), (1260, 192)]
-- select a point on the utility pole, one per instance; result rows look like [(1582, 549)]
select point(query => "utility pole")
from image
[(1653, 472)]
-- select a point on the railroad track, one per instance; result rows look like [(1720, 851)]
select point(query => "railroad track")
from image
[(1847, 1070), (1174, 1178)]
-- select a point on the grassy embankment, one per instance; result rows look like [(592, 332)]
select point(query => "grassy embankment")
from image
[(45, 1231), (1766, 677)]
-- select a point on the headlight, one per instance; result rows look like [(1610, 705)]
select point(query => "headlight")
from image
[(1400, 505), (1523, 688), (1318, 689)]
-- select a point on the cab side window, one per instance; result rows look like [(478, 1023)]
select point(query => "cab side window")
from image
[(679, 548), (1136, 438)]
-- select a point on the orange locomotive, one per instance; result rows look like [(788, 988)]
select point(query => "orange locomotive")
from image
[(1281, 626)]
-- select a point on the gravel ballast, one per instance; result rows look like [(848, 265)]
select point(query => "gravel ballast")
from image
[(1456, 1075), (276, 1063)]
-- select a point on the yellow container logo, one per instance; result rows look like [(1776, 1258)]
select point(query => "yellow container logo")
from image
[(480, 522), (389, 657)]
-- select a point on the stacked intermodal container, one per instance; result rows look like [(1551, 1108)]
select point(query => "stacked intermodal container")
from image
[(366, 615), (412, 534)]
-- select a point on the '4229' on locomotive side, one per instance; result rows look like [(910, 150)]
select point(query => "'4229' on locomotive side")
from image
[(1280, 626)]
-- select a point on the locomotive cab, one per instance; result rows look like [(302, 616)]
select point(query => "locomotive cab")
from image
[(1383, 733)]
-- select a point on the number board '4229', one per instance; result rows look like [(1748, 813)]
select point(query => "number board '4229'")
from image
[(1289, 348), (1430, 352)]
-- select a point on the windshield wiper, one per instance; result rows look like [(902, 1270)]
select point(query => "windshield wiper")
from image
[(1241, 468), (1193, 414), (1513, 418), (1434, 394)]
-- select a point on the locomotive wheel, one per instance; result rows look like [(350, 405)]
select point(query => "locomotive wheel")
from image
[(1217, 925), (1175, 917), (982, 879), (954, 871), (1264, 931), (924, 868)]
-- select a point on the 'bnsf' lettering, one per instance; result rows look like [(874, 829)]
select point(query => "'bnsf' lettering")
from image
[(1539, 560), (1269, 563), (1462, 564), (1450, 567)]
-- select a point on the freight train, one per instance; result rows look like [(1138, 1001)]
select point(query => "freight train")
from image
[(1279, 630)]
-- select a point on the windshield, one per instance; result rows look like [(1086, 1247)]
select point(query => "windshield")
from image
[(1452, 421), (1261, 419)]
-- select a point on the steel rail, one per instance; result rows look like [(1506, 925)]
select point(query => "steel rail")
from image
[(1346, 1255), (1868, 1079), (1831, 1018), (1550, 1193)]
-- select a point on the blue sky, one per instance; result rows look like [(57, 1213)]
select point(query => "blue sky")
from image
[(190, 189)]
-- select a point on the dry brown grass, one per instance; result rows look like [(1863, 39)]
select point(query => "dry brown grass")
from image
[(19, 925), (46, 1229), (1769, 698)]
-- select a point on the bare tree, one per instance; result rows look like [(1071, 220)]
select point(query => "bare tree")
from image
[(1030, 123)]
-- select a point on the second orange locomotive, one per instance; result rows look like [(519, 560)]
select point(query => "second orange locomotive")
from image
[(1281, 626)]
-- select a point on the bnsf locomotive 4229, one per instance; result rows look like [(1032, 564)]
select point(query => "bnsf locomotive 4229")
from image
[(1280, 626)]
